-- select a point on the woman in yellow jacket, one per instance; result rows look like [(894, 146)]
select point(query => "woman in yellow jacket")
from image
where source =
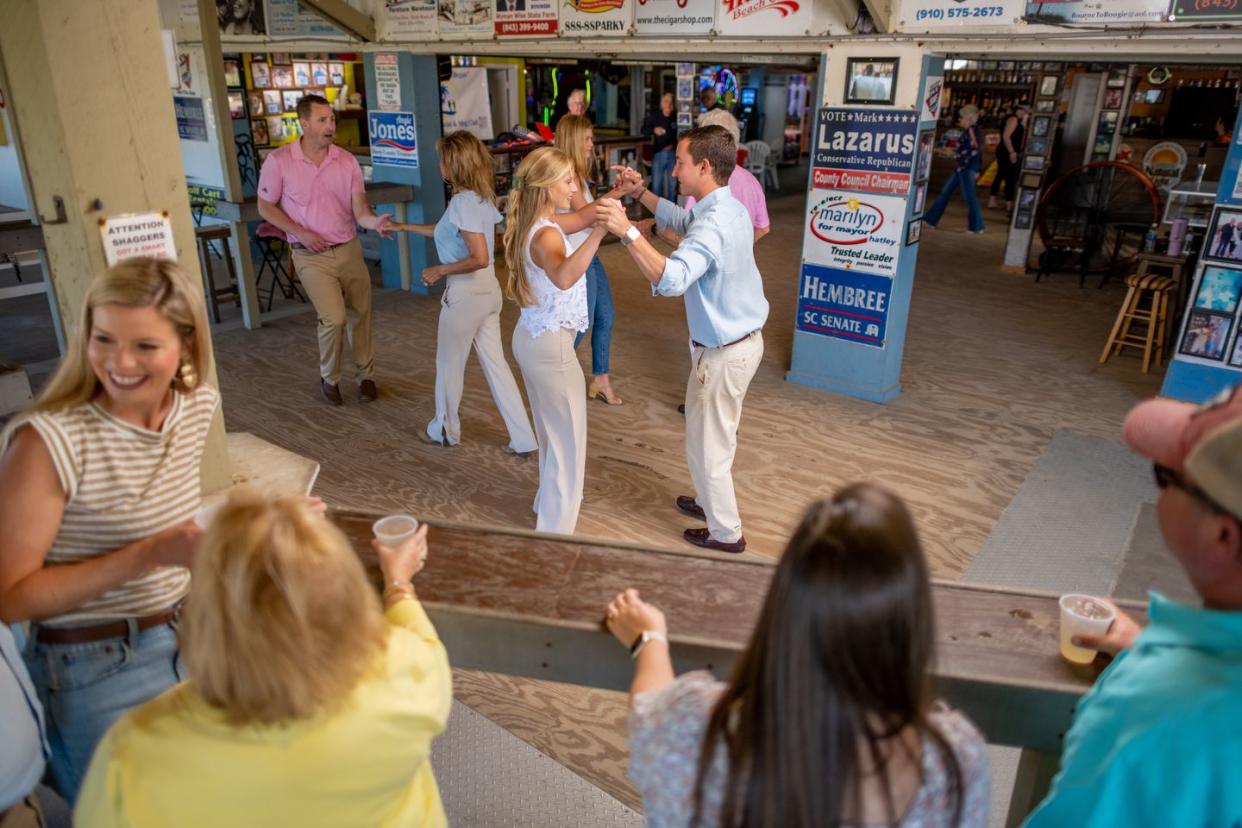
[(306, 705)]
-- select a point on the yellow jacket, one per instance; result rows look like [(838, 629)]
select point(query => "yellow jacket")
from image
[(175, 761)]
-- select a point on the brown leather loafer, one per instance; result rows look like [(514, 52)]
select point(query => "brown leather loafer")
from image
[(330, 392), (703, 538), (367, 392), (691, 507)]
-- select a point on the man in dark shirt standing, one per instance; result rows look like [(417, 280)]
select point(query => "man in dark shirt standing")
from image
[(662, 127)]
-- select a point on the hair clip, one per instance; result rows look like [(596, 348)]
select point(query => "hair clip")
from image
[(519, 182)]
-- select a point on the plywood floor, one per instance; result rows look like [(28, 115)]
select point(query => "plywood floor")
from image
[(994, 365)]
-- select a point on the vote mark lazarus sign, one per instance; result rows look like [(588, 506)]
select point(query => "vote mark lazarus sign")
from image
[(865, 150)]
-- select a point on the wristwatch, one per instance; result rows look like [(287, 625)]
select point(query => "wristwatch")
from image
[(641, 641), (631, 235)]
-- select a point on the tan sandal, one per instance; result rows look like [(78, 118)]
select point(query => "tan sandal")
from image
[(604, 393)]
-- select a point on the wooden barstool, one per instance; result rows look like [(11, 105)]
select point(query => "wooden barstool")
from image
[(1150, 318), (206, 235)]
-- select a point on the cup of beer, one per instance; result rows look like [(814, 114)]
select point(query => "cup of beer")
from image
[(394, 530), (1082, 614)]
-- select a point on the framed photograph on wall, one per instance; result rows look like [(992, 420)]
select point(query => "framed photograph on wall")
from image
[(1206, 334), (281, 57), (1032, 180), (1112, 98), (927, 145), (1046, 105), (1041, 125), (237, 105), (1022, 220), (1037, 146), (275, 129), (255, 99), (232, 73), (260, 74), (920, 197), (1048, 85), (301, 74), (319, 74), (1117, 82), (290, 97), (258, 131), (1235, 359), (1027, 198), (282, 77), (1224, 236), (336, 73), (1034, 162), (871, 80), (913, 231), (1219, 289), (272, 103)]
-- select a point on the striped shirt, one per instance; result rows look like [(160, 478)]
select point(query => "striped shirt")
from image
[(123, 483)]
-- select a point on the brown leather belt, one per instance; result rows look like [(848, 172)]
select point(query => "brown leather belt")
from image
[(100, 632), (300, 246), (742, 338)]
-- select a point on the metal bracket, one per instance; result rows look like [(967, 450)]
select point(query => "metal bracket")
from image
[(61, 216)]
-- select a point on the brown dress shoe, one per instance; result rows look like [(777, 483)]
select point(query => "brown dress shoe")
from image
[(691, 507), (703, 538), (367, 392), (330, 392)]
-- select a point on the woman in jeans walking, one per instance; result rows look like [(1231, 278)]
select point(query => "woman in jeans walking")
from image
[(969, 164)]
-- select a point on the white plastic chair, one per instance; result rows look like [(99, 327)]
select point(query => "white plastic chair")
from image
[(757, 154), (770, 172)]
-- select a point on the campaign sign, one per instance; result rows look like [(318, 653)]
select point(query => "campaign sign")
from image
[(866, 150), (844, 304), (393, 141), (854, 230)]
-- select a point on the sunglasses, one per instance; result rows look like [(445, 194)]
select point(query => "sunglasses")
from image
[(1166, 477)]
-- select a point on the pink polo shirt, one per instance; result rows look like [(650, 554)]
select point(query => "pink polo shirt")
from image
[(746, 189), (319, 198)]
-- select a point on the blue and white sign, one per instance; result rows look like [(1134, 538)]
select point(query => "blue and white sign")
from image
[(1097, 12), (866, 150), (393, 142), (844, 304), (929, 15), (854, 230)]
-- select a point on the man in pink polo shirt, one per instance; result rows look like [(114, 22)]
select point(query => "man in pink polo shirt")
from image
[(312, 190)]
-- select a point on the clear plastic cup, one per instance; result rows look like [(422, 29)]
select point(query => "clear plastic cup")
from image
[(394, 530), (1082, 614)]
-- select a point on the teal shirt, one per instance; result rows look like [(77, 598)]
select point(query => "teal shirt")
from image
[(1158, 740)]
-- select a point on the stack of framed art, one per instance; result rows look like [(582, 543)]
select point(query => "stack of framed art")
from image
[(1041, 129), (1210, 328)]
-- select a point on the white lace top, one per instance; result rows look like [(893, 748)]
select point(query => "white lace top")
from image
[(576, 239), (554, 308)]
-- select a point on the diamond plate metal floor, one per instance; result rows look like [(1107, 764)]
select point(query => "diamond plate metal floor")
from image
[(490, 778)]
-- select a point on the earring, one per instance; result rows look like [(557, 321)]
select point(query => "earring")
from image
[(185, 373)]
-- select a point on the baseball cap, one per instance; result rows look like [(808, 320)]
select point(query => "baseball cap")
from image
[(1203, 441)]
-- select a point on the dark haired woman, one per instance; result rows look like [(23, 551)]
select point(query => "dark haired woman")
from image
[(827, 719)]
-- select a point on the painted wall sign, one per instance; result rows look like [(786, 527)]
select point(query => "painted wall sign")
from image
[(854, 230), (844, 304), (1205, 10), (596, 17), (760, 18), (925, 15), (674, 17), (465, 102), (1097, 12), (525, 18), (191, 121), (866, 150), (387, 82), (393, 141), (407, 17), (137, 234)]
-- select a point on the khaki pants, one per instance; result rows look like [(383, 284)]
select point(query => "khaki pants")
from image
[(470, 315), (717, 385), (335, 280), (25, 814), (557, 392)]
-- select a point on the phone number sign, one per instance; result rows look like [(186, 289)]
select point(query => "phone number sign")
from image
[(933, 14), (1205, 10)]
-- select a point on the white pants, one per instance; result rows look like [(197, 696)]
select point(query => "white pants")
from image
[(557, 392), (470, 315), (717, 385)]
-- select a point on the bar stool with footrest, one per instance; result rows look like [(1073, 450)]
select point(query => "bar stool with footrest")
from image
[(272, 242), (1149, 318), (206, 235)]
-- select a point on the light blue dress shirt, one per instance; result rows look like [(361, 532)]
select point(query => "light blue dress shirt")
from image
[(1158, 739), (466, 211), (714, 268), (23, 746)]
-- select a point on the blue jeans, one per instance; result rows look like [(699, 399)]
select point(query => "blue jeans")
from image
[(974, 216), (600, 313), (662, 174), (84, 688)]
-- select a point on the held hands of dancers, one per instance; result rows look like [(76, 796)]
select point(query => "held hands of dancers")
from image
[(610, 215), (629, 181)]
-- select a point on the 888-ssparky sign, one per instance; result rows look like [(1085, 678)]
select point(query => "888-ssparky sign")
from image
[(854, 230), (919, 15)]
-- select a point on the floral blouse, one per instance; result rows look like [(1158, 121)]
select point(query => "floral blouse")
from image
[(666, 736)]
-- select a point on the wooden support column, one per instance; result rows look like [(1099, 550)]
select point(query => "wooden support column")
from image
[(89, 88)]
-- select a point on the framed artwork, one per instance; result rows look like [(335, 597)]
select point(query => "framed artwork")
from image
[(258, 131), (920, 197), (260, 74), (336, 73), (1219, 289), (1046, 105), (685, 88), (1206, 334), (1048, 85), (1037, 146), (319, 74), (232, 73), (1032, 180), (290, 97), (1041, 126), (913, 231), (1103, 145), (301, 74), (1224, 236), (1022, 220), (272, 103), (683, 120), (1109, 118), (1034, 162), (1153, 96), (1112, 98), (281, 57), (927, 145), (1236, 358), (275, 129), (1027, 198), (871, 80), (282, 77), (255, 99), (237, 105), (1117, 82)]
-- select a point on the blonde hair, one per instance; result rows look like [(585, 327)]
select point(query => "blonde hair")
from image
[(722, 118), (467, 164), (133, 283), (528, 200), (571, 132), (282, 622), (970, 113)]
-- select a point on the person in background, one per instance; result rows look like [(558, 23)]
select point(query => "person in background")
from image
[(547, 280), (25, 752), (707, 100), (1013, 139), (827, 718), (661, 127), (465, 238), (99, 484), (577, 102), (968, 166), (312, 190), (307, 703), (1224, 128), (742, 183), (576, 138), (1158, 739)]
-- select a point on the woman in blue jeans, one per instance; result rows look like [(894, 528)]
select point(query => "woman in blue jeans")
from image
[(969, 160), (576, 138)]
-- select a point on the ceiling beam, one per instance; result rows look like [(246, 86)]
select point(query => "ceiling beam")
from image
[(882, 13), (345, 16)]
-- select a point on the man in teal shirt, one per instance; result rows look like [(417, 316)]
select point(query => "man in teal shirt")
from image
[(1158, 740)]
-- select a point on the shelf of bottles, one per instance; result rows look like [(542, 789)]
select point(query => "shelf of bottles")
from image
[(996, 87)]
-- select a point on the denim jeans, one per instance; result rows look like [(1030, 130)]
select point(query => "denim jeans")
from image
[(662, 174), (84, 688), (965, 178), (601, 313)]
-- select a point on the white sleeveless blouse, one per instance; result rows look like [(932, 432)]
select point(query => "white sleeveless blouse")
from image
[(554, 308)]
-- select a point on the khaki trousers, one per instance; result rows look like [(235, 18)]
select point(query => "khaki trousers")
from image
[(717, 385), (335, 280), (557, 392), (470, 315)]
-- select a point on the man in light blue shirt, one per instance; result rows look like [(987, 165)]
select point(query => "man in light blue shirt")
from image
[(23, 746), (714, 269), (1158, 740)]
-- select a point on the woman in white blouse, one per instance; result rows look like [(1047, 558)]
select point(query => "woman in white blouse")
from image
[(546, 280)]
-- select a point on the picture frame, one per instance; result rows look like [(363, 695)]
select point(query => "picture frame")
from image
[(1206, 334), (319, 74), (1046, 105), (1220, 289), (275, 129), (1112, 98), (1223, 242), (336, 73), (260, 74), (255, 100), (1034, 162), (282, 77), (301, 73), (290, 98), (685, 88), (1048, 85), (871, 80), (914, 230), (683, 120), (1110, 118), (1041, 126), (1117, 82), (920, 198), (1032, 180), (232, 72), (237, 105), (1153, 96), (258, 132), (272, 103), (282, 57), (685, 70), (1027, 198), (1036, 146), (1235, 359), (1022, 219), (927, 147)]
